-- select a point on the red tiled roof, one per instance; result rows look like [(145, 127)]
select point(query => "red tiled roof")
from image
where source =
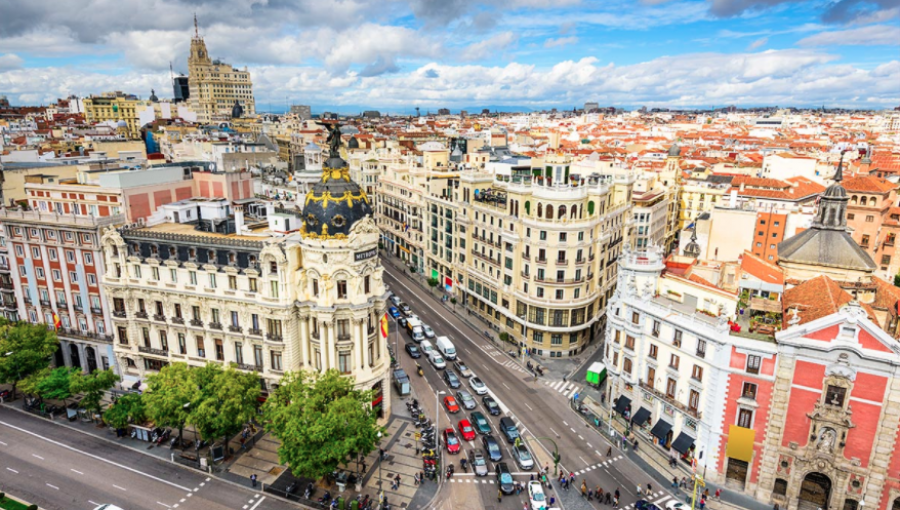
[(868, 184), (765, 271), (817, 298)]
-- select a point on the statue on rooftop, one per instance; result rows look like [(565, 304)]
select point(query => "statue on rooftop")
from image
[(334, 138)]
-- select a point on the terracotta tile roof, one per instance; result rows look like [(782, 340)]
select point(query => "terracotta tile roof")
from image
[(761, 269), (817, 298), (868, 184), (886, 295)]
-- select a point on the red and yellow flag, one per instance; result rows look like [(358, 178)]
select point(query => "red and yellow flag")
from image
[(56, 322), (384, 326)]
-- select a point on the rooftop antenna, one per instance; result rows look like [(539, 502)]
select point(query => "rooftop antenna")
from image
[(196, 28), (171, 72)]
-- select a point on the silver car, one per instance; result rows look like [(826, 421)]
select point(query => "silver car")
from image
[(396, 300), (462, 369), (466, 399), (477, 386), (523, 457), (479, 466), (429, 333)]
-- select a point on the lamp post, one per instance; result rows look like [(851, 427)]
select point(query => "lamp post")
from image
[(437, 421), (524, 335)]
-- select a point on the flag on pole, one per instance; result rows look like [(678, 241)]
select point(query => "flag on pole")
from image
[(56, 322)]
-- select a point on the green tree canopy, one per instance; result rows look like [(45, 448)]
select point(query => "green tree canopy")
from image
[(129, 408), (228, 399), (321, 420), (92, 386), (57, 385), (24, 350), (170, 395)]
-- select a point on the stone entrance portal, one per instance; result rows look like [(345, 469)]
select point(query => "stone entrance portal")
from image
[(814, 492)]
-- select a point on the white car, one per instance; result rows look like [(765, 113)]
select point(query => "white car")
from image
[(677, 505), (477, 386), (108, 507), (437, 360), (396, 300), (536, 496)]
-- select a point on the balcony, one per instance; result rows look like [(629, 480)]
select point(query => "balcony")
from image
[(45, 302), (7, 286), (197, 322), (274, 338), (541, 260), (155, 352), (526, 256), (564, 262), (62, 304), (254, 332), (139, 315), (84, 335), (121, 314), (234, 329), (526, 276), (177, 320), (343, 337), (159, 318), (592, 257), (215, 325), (249, 367), (485, 258), (580, 261), (681, 407), (315, 334), (561, 281)]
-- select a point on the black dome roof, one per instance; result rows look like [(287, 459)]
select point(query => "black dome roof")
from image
[(335, 203), (353, 143)]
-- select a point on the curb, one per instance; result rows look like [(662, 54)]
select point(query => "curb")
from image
[(167, 461)]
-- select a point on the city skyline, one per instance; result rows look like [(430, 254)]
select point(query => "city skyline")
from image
[(527, 54)]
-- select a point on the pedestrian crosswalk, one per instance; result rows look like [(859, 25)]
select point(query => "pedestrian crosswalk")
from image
[(658, 499), (600, 465), (512, 365), (566, 388)]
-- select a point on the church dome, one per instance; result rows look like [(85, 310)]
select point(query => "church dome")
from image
[(335, 203), (674, 151)]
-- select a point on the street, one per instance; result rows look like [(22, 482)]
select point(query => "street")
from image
[(60, 469), (540, 409)]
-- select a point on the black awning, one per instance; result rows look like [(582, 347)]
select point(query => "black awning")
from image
[(661, 430), (641, 417), (623, 405), (683, 443)]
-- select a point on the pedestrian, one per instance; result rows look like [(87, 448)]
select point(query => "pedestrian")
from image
[(416, 479), (718, 493), (571, 477), (674, 482), (603, 398), (649, 489), (706, 494), (531, 479), (499, 496), (253, 479), (590, 495), (776, 507), (639, 491), (683, 482), (566, 483), (702, 503), (381, 453), (608, 497), (552, 502), (243, 446), (583, 489), (398, 479), (616, 503), (609, 451), (617, 493)]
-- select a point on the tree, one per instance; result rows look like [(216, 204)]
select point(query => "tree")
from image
[(29, 385), (321, 421), (57, 385), (129, 408), (228, 400), (93, 386), (24, 350), (170, 395), (433, 282), (897, 280)]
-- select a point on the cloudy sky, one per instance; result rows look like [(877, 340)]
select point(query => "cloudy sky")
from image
[(398, 54)]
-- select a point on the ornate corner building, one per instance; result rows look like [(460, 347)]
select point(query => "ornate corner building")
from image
[(286, 292)]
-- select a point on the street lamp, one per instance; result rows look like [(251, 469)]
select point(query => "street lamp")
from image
[(524, 335), (437, 421)]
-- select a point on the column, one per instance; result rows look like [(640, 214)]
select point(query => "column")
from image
[(67, 354), (304, 342), (330, 354), (82, 357), (362, 344)]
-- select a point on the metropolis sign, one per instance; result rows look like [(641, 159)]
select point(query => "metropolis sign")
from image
[(363, 255)]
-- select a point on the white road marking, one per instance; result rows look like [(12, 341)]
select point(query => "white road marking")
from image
[(589, 446), (582, 460), (13, 470), (257, 503), (163, 504), (598, 453), (579, 437), (95, 457), (51, 486), (505, 386), (554, 432), (182, 500), (94, 503), (564, 423), (528, 406), (76, 471), (120, 488), (37, 456), (573, 430), (4, 444)]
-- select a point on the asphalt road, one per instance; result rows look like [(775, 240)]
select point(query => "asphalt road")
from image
[(60, 469), (543, 414)]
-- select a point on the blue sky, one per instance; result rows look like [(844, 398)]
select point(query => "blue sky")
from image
[(398, 54)]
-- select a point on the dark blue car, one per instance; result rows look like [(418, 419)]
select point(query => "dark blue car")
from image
[(394, 312)]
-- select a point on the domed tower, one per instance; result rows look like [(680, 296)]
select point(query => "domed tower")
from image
[(341, 289)]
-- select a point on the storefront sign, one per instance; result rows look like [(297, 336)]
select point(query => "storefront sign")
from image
[(363, 255)]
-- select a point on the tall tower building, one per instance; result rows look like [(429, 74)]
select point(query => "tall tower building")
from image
[(215, 86)]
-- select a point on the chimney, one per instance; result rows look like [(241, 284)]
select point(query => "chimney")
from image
[(239, 219)]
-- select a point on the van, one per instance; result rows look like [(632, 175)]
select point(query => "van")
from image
[(445, 346), (508, 428), (415, 329), (426, 348)]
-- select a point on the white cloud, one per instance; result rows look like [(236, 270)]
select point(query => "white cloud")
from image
[(874, 35), (560, 41), (10, 61), (759, 43), (488, 47)]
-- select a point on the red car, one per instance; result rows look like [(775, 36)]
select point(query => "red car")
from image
[(466, 430), (451, 405), (451, 441)]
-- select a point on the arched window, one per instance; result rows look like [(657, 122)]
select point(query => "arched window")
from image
[(873, 201), (562, 212), (780, 488), (853, 199), (528, 207), (574, 211), (862, 201), (591, 208), (540, 211), (549, 212)]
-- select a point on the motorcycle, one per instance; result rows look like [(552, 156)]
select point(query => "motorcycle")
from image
[(310, 490), (325, 499), (464, 465)]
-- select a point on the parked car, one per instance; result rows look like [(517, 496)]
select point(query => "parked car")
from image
[(395, 299), (479, 465), (491, 405), (466, 399), (451, 379), (523, 457), (413, 350), (437, 361), (429, 333), (405, 309), (509, 429), (450, 404), (477, 386), (426, 347), (451, 441), (466, 430), (492, 448), (462, 369), (536, 496), (482, 425), (404, 324), (395, 313), (505, 479)]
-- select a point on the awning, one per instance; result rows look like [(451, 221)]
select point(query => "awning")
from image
[(623, 405), (641, 417), (765, 305), (740, 443), (682, 444), (661, 430)]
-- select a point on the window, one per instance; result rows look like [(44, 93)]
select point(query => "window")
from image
[(273, 267), (629, 342), (694, 400), (344, 362), (676, 341), (220, 350), (178, 310), (697, 373), (835, 395), (234, 319), (555, 339), (276, 360), (342, 289), (618, 337), (315, 287), (654, 351), (239, 353), (543, 235), (73, 276), (562, 237), (123, 335), (19, 251), (40, 272), (870, 218), (252, 282), (865, 241), (560, 294), (88, 259), (212, 280), (540, 292), (145, 333), (651, 376), (35, 252), (192, 276), (273, 287), (656, 329), (201, 349), (232, 282), (674, 361), (670, 388), (626, 366), (163, 341), (851, 216), (51, 252), (154, 273), (701, 348), (753, 363), (749, 391), (885, 260), (182, 346), (745, 418), (195, 312), (366, 284), (635, 317)]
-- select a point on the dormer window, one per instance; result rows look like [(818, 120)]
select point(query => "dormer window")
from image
[(192, 254)]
